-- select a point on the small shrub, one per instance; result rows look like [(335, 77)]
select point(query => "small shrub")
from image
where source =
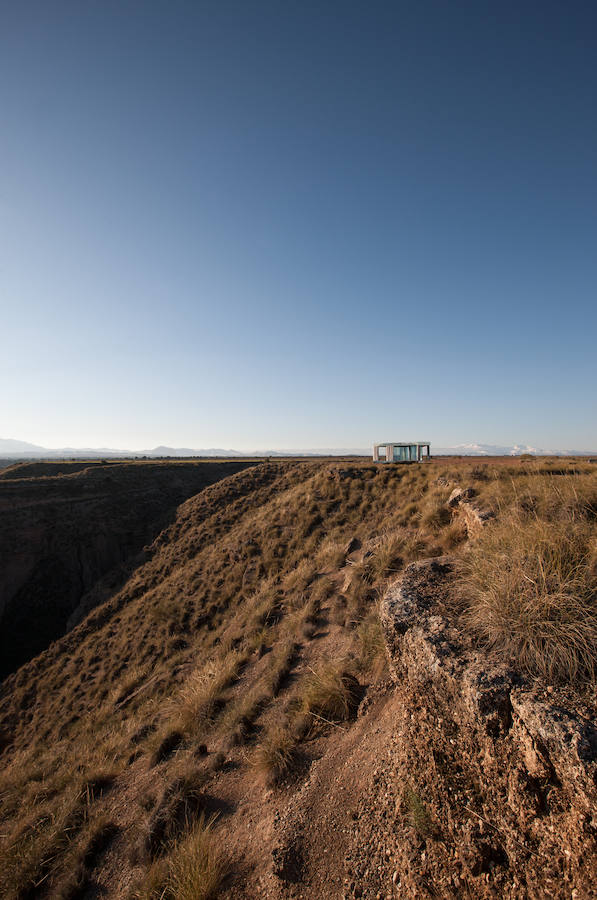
[(301, 576), (311, 610), (480, 473), (338, 613), (408, 512), (418, 814), (331, 553), (323, 588), (358, 594), (453, 535), (33, 855), (217, 761), (180, 802), (387, 558), (260, 640), (280, 666), (162, 610), (267, 612), (308, 630), (239, 718), (436, 513)]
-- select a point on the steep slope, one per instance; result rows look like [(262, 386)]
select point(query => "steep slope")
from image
[(250, 580), (71, 532), (240, 673)]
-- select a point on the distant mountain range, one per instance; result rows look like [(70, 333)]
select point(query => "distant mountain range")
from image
[(505, 450), (13, 449)]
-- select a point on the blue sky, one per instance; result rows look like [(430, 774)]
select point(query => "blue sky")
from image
[(251, 224)]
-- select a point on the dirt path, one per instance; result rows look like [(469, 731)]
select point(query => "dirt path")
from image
[(311, 836)]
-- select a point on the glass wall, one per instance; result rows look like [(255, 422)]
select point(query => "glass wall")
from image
[(401, 452), (408, 453)]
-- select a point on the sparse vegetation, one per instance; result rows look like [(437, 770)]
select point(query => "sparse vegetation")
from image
[(197, 866), (248, 634), (418, 813), (280, 666), (202, 695)]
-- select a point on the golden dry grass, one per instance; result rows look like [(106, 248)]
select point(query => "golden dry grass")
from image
[(370, 643), (329, 694), (202, 694), (193, 870), (275, 754), (530, 576), (533, 594), (203, 639)]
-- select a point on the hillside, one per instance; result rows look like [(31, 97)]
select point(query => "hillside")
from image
[(234, 719), (71, 533)]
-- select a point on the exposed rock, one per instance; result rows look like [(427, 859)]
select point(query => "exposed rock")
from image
[(505, 773), (460, 501), (475, 517), (459, 494)]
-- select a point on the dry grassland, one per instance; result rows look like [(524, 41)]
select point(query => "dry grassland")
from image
[(247, 639)]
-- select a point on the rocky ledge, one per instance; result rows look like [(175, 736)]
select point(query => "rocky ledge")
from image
[(492, 776)]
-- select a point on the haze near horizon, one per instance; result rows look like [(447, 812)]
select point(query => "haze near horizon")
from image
[(264, 225)]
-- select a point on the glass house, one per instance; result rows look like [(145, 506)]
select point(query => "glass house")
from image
[(392, 451)]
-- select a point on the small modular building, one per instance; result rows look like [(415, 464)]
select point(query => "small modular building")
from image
[(391, 451)]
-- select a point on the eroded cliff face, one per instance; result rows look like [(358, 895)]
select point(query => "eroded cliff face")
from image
[(67, 541), (490, 779)]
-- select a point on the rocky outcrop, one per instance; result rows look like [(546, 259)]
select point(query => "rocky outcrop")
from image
[(461, 501), (460, 495), (68, 541), (494, 776)]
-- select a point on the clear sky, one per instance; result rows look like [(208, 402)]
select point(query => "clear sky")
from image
[(298, 224)]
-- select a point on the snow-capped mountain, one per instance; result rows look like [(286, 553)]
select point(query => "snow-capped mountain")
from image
[(504, 450)]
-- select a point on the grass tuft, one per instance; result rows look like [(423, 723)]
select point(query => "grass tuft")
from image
[(371, 644), (194, 869), (202, 696), (330, 694), (533, 595), (276, 753)]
